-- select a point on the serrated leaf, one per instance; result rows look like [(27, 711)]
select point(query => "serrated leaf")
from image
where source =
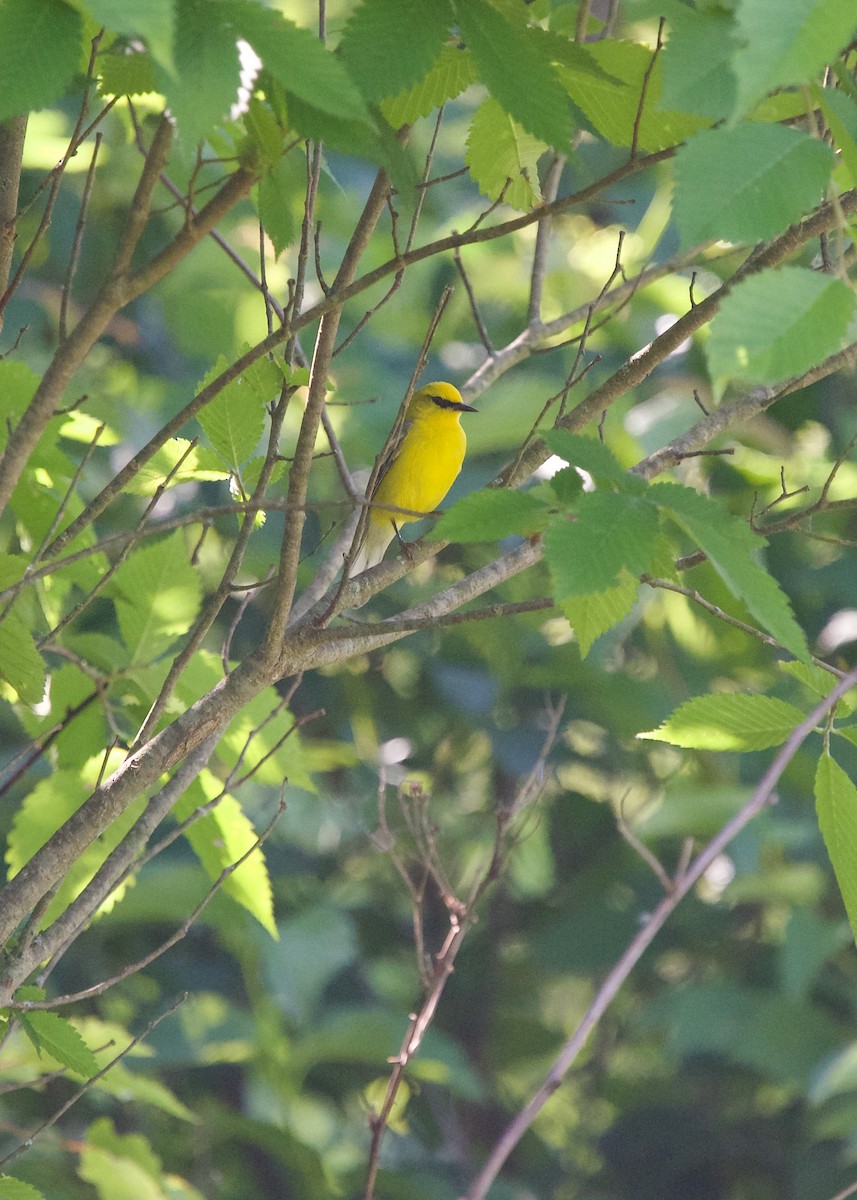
[(126, 74), (820, 683), (449, 76), (491, 514), (612, 531), (21, 665), (840, 113), (264, 131), (17, 1189), (566, 484), (54, 1035), (503, 158), (203, 85), (299, 62), (389, 45), (235, 419), (746, 184), (778, 324), (157, 595), (592, 615), (47, 41), (531, 93), (591, 455), (153, 21), (836, 805), (786, 41), (729, 544), (115, 1176), (697, 69), (197, 465), (219, 840), (613, 106), (728, 722)]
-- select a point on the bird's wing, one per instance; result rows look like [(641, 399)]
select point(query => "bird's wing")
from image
[(390, 456)]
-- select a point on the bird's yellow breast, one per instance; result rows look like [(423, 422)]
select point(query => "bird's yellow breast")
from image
[(425, 466)]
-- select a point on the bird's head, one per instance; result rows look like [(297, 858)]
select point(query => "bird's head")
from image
[(435, 398)]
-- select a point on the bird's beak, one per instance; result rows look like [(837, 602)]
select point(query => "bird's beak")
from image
[(466, 408)]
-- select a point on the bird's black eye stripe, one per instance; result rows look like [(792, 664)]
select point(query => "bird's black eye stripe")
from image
[(442, 402)]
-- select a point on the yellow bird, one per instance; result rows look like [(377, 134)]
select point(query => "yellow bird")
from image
[(420, 467)]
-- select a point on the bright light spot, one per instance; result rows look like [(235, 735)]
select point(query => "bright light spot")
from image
[(839, 630), (44, 706), (395, 751), (648, 414), (662, 324), (462, 356), (665, 322), (553, 464), (251, 65), (716, 879), (550, 467)]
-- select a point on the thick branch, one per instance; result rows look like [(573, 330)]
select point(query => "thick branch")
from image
[(12, 133)]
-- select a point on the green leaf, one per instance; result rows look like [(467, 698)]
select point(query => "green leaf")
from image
[(491, 514), (612, 106), (54, 1035), (836, 805), (531, 92), (448, 77), (18, 383), (696, 64), (500, 153), (778, 324), (728, 722), (324, 941), (389, 45), (746, 184), (299, 62), (157, 595), (591, 455), (592, 615), (375, 141), (612, 531), (219, 840), (687, 809), (42, 47), (115, 1177), (786, 41), (152, 20), (778, 1036), (820, 683), (21, 665), (840, 113), (132, 1146), (235, 419), (47, 806), (264, 131), (126, 74), (198, 466), (17, 1189), (808, 943), (730, 544), (204, 84)]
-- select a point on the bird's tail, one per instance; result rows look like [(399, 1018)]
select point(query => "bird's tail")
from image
[(376, 539)]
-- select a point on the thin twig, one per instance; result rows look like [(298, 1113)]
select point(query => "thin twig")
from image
[(762, 797), (81, 1092), (78, 238)]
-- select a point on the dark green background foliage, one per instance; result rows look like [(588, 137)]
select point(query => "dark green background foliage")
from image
[(683, 600)]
